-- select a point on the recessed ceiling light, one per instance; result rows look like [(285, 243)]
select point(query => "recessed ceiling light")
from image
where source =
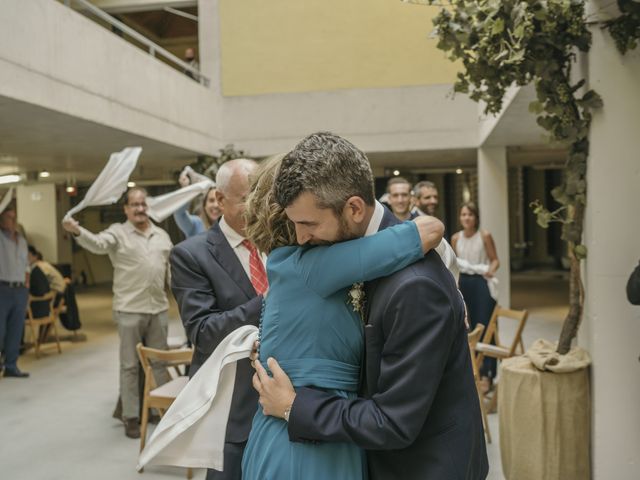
[(458, 171), (131, 184), (44, 174), (9, 179), (396, 172)]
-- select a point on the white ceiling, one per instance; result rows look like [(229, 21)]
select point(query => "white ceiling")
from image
[(33, 138)]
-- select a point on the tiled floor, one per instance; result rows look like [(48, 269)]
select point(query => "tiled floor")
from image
[(57, 424)]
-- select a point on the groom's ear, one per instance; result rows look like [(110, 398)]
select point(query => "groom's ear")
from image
[(354, 209)]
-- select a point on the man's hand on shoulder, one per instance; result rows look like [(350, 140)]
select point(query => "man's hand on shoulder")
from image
[(276, 393)]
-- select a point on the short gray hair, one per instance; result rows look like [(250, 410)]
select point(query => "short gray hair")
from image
[(423, 184), (230, 168), (329, 167)]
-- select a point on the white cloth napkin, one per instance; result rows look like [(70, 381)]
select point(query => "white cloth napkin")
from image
[(194, 176), (163, 206), (112, 181), (6, 199), (192, 432)]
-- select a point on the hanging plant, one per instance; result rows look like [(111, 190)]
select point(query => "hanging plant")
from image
[(505, 43), (210, 165)]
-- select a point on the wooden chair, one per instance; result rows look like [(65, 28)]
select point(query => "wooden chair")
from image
[(160, 397), (474, 338), (33, 322), (490, 346)]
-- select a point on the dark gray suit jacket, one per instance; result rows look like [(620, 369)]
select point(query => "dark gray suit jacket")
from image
[(215, 297), (420, 415)]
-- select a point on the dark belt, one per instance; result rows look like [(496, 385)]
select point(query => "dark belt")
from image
[(12, 284)]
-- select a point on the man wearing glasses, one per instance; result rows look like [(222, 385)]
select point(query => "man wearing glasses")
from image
[(139, 253)]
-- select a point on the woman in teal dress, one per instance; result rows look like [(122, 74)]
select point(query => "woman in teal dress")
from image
[(310, 325)]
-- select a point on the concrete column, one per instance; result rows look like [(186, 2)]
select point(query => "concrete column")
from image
[(209, 42), (611, 327), (493, 202), (37, 212)]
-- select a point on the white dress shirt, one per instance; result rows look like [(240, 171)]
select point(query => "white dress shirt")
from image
[(445, 251), (140, 265), (235, 240)]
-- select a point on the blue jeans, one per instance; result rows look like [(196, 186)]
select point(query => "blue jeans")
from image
[(13, 308)]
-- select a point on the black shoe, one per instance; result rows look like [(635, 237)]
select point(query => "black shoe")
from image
[(15, 372), (132, 427)]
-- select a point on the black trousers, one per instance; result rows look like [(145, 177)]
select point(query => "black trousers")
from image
[(232, 463), (480, 306)]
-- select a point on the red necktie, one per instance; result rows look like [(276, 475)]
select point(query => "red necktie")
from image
[(258, 274)]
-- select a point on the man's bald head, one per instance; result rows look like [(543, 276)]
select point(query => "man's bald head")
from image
[(240, 166), (232, 183)]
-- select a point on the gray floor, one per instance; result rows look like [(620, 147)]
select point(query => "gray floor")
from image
[(57, 424)]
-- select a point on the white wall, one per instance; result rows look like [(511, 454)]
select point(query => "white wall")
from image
[(56, 58), (611, 329)]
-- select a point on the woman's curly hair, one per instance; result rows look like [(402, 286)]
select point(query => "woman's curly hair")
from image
[(267, 224)]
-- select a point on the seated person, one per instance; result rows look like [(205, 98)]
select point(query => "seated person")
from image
[(44, 278), (54, 277)]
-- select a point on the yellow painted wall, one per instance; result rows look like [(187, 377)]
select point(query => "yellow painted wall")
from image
[(278, 46)]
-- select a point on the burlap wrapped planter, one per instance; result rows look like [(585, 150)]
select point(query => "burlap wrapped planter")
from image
[(545, 416)]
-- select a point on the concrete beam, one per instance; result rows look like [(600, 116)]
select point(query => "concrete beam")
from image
[(128, 6)]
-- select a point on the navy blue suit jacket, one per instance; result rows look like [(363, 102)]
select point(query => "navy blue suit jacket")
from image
[(215, 297), (419, 416)]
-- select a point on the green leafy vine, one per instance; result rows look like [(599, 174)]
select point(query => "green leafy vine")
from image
[(513, 42)]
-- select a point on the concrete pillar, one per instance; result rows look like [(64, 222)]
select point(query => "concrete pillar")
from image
[(611, 327), (493, 202), (39, 214), (209, 42)]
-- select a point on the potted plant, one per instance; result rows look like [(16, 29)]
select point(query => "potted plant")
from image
[(501, 44)]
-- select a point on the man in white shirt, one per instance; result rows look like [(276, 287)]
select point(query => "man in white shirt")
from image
[(219, 281), (139, 252)]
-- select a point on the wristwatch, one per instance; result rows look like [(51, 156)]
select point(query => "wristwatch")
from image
[(287, 412)]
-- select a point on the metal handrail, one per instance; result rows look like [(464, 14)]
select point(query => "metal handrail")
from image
[(153, 48)]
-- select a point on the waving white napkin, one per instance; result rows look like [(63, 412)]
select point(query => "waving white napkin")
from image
[(112, 181), (192, 432), (6, 199), (164, 205)]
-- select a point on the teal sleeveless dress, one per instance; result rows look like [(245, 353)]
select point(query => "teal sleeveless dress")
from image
[(310, 327)]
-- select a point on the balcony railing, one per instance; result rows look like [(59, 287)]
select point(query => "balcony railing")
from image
[(152, 48)]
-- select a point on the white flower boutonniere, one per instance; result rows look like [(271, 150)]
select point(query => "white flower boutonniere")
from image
[(356, 298)]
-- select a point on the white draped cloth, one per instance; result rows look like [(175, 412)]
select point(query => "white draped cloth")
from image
[(192, 431), (112, 181), (163, 206), (6, 199), (194, 176)]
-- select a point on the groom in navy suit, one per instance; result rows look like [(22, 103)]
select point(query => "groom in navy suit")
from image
[(418, 416)]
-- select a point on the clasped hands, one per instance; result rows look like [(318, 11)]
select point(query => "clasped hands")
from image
[(276, 392)]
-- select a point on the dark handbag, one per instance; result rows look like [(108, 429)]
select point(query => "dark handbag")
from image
[(70, 318)]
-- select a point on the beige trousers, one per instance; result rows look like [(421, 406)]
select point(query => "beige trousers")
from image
[(151, 330)]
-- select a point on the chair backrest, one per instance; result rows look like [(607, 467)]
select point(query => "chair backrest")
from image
[(168, 358), (492, 331), (47, 297), (473, 338)]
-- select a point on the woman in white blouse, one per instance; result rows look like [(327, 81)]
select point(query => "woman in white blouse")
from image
[(478, 264)]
